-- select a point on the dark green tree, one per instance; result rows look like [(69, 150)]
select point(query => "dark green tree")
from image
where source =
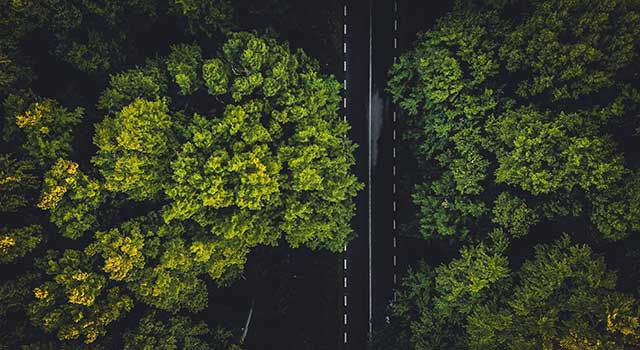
[(524, 119), (562, 298)]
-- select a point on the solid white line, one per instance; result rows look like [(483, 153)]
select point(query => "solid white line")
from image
[(370, 175)]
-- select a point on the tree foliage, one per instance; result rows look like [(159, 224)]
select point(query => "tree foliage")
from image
[(562, 298), (524, 119)]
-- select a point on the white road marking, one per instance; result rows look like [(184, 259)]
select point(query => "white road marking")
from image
[(394, 242), (344, 48), (345, 319), (395, 43), (394, 59), (344, 83), (394, 134), (395, 6), (345, 300), (345, 10), (394, 152), (394, 188), (345, 263), (394, 170), (394, 210), (394, 261), (394, 116), (394, 227), (344, 28), (344, 102), (369, 134), (344, 65), (395, 24), (345, 282), (345, 337), (394, 279)]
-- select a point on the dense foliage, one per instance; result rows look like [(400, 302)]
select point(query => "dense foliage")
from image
[(525, 121), (147, 149), (562, 298)]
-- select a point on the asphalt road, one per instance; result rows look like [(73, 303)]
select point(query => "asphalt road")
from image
[(376, 32)]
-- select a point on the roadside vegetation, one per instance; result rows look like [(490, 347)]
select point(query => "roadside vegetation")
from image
[(148, 148), (523, 118)]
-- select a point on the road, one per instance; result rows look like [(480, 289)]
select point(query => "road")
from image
[(375, 33)]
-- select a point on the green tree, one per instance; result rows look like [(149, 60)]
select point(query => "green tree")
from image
[(521, 120), (562, 298), (72, 198), (47, 130), (176, 333), (76, 302), (134, 148)]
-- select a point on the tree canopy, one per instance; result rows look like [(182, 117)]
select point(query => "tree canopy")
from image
[(520, 115)]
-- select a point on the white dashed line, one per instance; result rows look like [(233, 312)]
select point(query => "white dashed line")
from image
[(394, 170), (344, 84), (394, 279), (345, 10), (394, 210), (345, 301), (344, 102), (394, 227), (345, 263), (344, 48), (394, 244), (345, 282), (344, 28), (345, 319), (394, 152), (394, 116), (394, 134), (344, 66), (394, 188), (395, 43), (394, 261), (395, 25), (345, 337)]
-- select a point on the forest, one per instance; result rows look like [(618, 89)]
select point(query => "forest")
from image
[(523, 118), (147, 148), (155, 154)]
